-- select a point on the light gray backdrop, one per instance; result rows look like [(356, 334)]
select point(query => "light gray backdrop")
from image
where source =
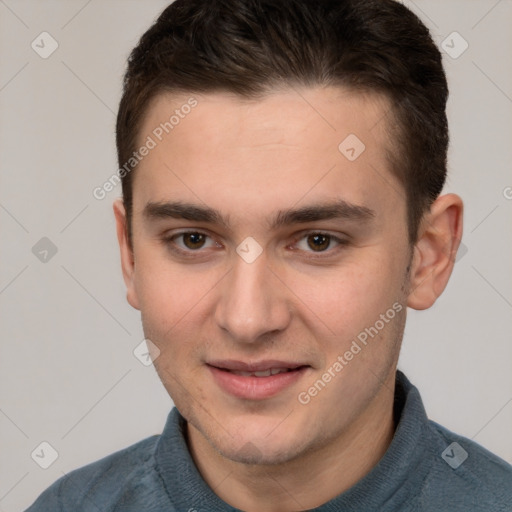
[(68, 374)]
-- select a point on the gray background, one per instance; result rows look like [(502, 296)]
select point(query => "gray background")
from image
[(68, 374)]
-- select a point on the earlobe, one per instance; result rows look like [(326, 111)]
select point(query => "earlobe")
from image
[(127, 256), (435, 251)]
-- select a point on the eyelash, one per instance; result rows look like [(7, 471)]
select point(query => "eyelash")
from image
[(190, 253)]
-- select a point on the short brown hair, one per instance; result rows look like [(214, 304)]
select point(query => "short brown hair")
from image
[(249, 47)]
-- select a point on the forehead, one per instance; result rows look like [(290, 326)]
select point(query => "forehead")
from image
[(246, 156)]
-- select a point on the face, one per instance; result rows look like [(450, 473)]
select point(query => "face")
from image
[(270, 265)]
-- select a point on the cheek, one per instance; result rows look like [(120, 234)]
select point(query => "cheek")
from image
[(173, 309), (158, 299), (166, 292), (348, 298), (175, 303)]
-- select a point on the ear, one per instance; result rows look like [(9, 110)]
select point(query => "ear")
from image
[(127, 256), (435, 251)]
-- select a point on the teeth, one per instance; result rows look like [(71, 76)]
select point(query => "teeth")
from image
[(262, 373)]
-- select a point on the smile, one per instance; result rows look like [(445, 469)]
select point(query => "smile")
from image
[(255, 381), (262, 373)]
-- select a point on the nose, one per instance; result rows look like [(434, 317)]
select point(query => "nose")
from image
[(252, 303)]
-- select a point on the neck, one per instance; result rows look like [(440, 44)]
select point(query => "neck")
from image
[(331, 469)]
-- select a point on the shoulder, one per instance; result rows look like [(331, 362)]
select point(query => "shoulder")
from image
[(103, 484), (464, 475)]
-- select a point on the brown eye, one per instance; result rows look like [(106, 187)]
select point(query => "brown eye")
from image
[(318, 242), (191, 244), (193, 240)]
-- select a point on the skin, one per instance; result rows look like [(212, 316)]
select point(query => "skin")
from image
[(248, 159)]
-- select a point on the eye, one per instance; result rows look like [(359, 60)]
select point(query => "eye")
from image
[(191, 241), (319, 242)]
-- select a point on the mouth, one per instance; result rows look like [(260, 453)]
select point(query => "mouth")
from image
[(261, 373), (258, 380)]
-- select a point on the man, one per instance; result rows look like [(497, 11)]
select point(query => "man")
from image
[(282, 165)]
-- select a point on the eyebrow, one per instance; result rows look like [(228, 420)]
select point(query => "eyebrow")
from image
[(324, 211)]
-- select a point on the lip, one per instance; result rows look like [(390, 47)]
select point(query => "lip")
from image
[(255, 366), (252, 387)]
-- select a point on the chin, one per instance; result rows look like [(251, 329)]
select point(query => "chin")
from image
[(257, 441), (263, 452)]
